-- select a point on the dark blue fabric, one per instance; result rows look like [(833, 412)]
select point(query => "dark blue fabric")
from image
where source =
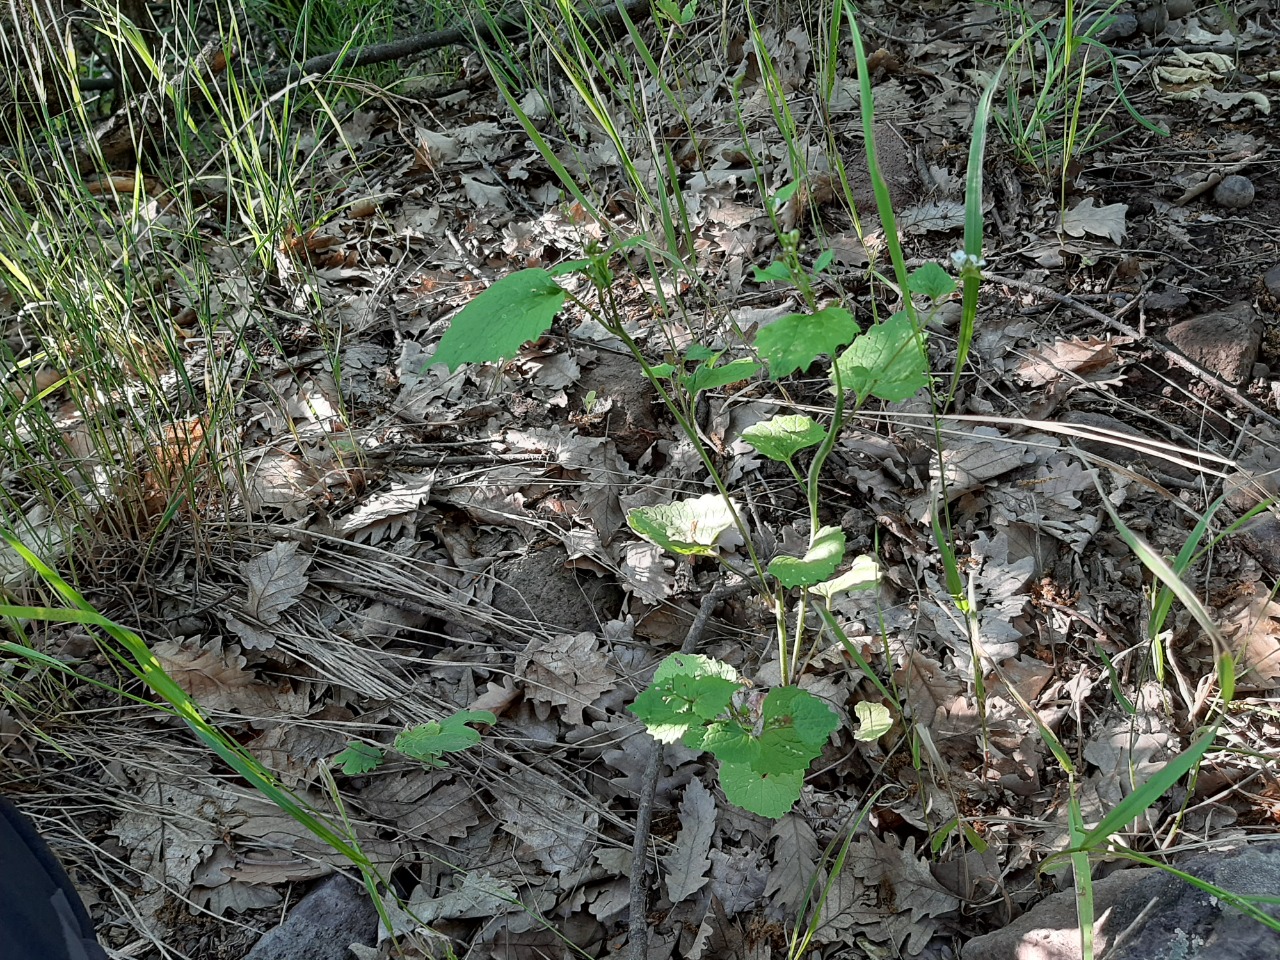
[(41, 915)]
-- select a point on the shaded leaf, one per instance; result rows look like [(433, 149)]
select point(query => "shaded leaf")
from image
[(818, 563), (782, 437), (495, 325), (793, 342), (769, 795), (358, 758)]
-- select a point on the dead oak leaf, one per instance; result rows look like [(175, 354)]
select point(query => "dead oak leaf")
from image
[(687, 863), (1252, 626), (929, 687), (795, 863), (567, 670), (276, 579), (556, 829), (904, 884), (1087, 357), (1106, 221), (215, 677)]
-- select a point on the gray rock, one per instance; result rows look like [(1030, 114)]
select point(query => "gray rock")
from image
[(1145, 914), (1257, 474), (325, 922), (539, 585), (1122, 25), (1224, 342), (1234, 192), (1153, 18), (1260, 537), (1271, 280), (1180, 8), (1167, 301)]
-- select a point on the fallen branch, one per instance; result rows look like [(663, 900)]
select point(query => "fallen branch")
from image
[(509, 28)]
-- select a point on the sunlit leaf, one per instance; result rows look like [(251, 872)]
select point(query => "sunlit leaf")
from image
[(818, 563), (784, 436), (793, 342), (495, 325)]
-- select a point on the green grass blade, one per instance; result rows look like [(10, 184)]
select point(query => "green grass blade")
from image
[(1148, 793), (973, 224), (142, 663)]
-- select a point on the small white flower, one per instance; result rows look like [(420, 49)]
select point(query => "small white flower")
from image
[(965, 262)]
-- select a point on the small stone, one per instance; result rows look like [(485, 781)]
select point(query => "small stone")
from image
[(1169, 300), (1260, 537), (1271, 280), (1224, 342), (325, 922), (1257, 474), (1234, 192), (1180, 8), (1153, 19), (1121, 27)]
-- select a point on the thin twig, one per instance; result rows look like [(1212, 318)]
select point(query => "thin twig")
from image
[(638, 932), (511, 28), (1175, 358)]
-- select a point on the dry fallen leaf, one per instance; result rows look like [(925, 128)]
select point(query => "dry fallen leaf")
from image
[(687, 863), (1105, 221), (276, 579), (567, 670)]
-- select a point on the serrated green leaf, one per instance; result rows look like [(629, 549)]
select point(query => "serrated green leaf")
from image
[(931, 281), (495, 325), (662, 370), (730, 743), (708, 697), (874, 720), (818, 563), (358, 758), (768, 796), (667, 719), (687, 689), (707, 377), (885, 362), (782, 751), (793, 342), (863, 574), (784, 436), (696, 352), (428, 741), (813, 720), (686, 527)]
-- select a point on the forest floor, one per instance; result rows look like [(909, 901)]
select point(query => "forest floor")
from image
[(406, 542)]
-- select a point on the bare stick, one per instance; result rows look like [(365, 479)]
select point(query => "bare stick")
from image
[(466, 35)]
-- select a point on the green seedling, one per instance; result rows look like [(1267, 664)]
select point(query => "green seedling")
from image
[(887, 361), (426, 742), (764, 743)]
